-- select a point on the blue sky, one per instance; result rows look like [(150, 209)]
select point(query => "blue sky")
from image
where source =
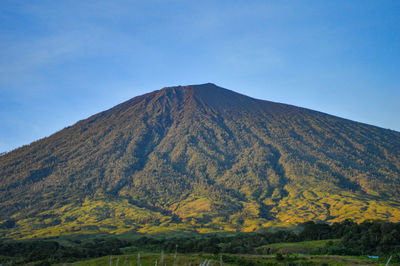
[(62, 61)]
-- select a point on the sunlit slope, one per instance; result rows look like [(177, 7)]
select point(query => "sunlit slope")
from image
[(200, 158)]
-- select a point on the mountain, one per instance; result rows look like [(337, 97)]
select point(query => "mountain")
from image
[(199, 158)]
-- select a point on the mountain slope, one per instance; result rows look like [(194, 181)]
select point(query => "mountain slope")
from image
[(199, 158)]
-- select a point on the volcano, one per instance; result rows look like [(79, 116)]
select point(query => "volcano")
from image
[(199, 158)]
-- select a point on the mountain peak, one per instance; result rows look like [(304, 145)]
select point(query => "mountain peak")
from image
[(211, 95), (194, 86), (199, 89)]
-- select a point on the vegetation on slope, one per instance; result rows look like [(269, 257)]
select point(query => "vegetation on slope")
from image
[(199, 158)]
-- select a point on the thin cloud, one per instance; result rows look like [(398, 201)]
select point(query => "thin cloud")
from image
[(27, 57)]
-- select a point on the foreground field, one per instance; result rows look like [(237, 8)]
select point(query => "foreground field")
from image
[(243, 260), (345, 243), (304, 247)]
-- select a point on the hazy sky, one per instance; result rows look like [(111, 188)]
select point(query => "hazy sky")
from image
[(62, 61)]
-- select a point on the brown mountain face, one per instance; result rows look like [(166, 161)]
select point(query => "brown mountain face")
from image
[(199, 158)]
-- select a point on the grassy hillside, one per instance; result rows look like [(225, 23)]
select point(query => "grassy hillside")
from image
[(199, 158)]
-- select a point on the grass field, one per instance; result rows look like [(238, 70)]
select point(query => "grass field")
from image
[(305, 247), (227, 260)]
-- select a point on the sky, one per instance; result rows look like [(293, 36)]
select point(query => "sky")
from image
[(62, 61)]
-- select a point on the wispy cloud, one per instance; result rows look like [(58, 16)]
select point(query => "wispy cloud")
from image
[(23, 59)]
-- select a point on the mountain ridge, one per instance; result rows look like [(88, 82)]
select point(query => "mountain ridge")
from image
[(202, 158)]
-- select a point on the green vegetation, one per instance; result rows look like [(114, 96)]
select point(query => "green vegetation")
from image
[(304, 247), (199, 159), (338, 244)]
